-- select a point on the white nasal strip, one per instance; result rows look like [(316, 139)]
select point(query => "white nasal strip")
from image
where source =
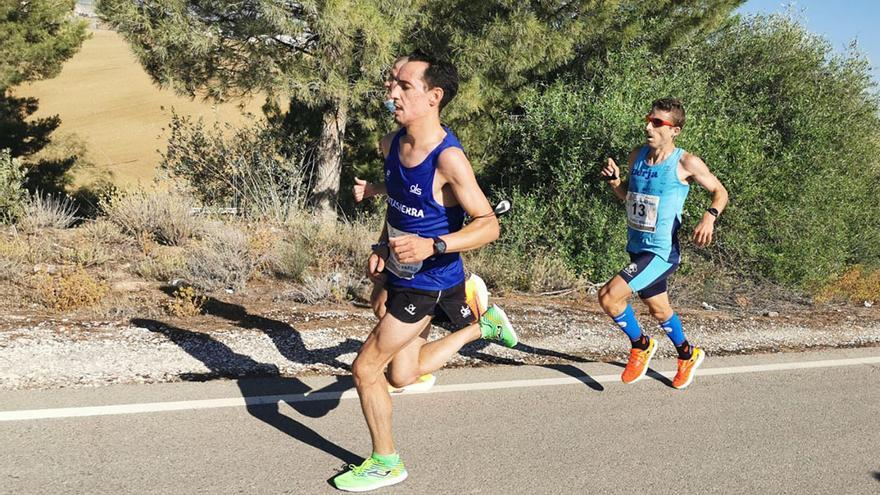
[(393, 265), (641, 211)]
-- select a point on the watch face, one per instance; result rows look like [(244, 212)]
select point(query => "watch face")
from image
[(439, 246)]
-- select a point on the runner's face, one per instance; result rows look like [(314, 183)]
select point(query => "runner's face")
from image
[(411, 95), (660, 136)]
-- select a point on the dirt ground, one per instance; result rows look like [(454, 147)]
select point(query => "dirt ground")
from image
[(262, 332)]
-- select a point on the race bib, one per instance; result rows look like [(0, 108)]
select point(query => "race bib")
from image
[(641, 211), (393, 265)]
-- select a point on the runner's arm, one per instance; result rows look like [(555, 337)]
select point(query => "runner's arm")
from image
[(363, 189), (696, 169), (618, 186)]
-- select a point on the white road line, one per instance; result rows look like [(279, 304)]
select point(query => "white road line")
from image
[(74, 412)]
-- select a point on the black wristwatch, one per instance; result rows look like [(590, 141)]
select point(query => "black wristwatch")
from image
[(713, 211), (439, 246)]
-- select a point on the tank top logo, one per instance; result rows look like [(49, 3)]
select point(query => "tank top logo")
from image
[(406, 210), (646, 172), (415, 189)]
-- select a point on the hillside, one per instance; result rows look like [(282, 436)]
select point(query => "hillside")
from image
[(105, 98)]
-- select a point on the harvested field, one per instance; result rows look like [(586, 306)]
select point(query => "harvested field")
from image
[(104, 97)]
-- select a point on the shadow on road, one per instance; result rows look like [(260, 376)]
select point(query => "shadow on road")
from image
[(224, 362), (876, 475), (651, 373)]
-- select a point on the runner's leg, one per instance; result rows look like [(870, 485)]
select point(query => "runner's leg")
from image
[(387, 339), (404, 367), (377, 299)]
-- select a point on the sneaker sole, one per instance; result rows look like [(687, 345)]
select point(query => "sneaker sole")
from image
[(693, 371), (647, 365), (481, 294), (508, 325), (381, 484), (414, 387)]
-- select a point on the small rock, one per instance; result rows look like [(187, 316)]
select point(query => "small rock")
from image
[(868, 304), (771, 314), (707, 306)]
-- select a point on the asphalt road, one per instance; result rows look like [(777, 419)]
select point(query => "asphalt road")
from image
[(749, 424)]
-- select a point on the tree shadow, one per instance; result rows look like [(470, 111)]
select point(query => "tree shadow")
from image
[(286, 339), (224, 362)]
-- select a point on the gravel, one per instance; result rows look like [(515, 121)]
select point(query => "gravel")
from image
[(62, 353)]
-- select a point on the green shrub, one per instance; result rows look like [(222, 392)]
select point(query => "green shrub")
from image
[(789, 128), (12, 192)]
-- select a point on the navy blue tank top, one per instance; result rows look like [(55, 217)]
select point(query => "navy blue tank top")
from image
[(412, 210)]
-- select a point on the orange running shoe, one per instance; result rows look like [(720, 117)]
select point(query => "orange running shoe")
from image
[(687, 368), (637, 365)]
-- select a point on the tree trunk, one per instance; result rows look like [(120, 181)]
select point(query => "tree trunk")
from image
[(329, 160)]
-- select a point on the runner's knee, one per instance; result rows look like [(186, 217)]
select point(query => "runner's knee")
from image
[(661, 314), (364, 372)]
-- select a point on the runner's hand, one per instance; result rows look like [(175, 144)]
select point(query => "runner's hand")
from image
[(375, 265), (612, 170), (359, 190), (411, 248), (704, 230)]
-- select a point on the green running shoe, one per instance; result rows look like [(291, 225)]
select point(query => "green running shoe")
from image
[(494, 325), (370, 475)]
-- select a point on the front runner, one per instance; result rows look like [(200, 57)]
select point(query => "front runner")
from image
[(658, 186), (430, 186), (476, 292)]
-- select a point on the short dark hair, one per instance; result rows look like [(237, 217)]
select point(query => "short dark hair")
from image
[(439, 74), (673, 106)]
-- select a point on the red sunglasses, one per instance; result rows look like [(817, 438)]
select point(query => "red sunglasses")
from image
[(658, 122)]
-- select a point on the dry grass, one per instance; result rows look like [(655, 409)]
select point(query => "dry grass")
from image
[(123, 124), (336, 287), (163, 263), (857, 285), (185, 302), (69, 289), (46, 212), (221, 260), (163, 216)]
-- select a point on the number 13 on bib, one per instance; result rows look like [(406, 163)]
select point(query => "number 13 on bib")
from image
[(641, 211)]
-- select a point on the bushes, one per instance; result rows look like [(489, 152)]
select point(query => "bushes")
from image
[(164, 216), (258, 170), (789, 129), (12, 192)]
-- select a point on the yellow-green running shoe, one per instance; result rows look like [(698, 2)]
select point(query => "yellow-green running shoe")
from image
[(422, 384), (494, 325), (370, 475)]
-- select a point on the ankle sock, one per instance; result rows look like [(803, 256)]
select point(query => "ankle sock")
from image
[(389, 460), (685, 351), (641, 343)]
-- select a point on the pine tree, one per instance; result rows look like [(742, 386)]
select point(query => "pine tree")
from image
[(36, 37), (502, 46), (328, 55)]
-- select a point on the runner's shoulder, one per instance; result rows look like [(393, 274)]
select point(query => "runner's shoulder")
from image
[(453, 161), (690, 161)]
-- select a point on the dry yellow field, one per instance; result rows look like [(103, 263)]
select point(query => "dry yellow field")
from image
[(104, 97)]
